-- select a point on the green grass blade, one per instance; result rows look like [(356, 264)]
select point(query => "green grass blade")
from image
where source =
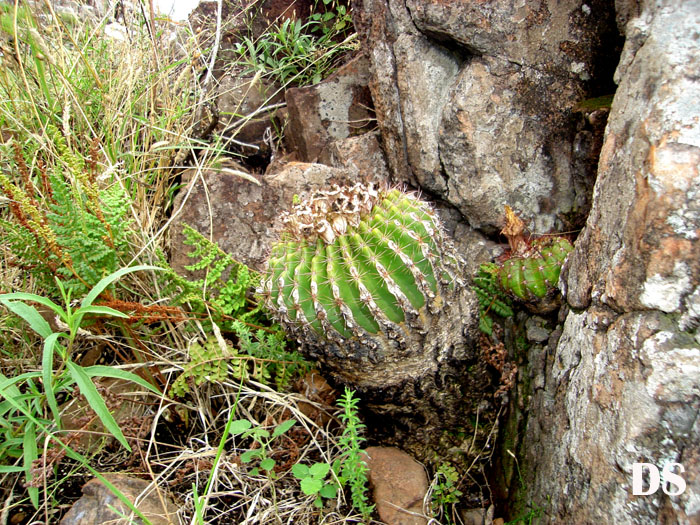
[(8, 469), (47, 376), (30, 315), (7, 385), (116, 373), (22, 296), (94, 399), (102, 310), (106, 281), (30, 455)]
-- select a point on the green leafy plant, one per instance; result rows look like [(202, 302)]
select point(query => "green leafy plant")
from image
[(269, 349), (64, 224), (351, 468), (333, 18), (445, 491), (208, 363), (222, 292), (293, 54), (314, 481), (223, 295), (55, 381), (262, 438), (492, 298), (260, 356)]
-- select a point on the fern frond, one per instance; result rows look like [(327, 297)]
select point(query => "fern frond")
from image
[(492, 298), (261, 357), (227, 282)]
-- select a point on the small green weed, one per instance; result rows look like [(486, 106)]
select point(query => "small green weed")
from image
[(445, 491), (261, 356), (350, 468), (293, 54), (262, 438), (223, 291), (333, 19), (491, 297), (314, 482), (529, 518)]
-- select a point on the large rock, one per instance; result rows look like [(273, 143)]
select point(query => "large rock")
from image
[(623, 383), (361, 155), (99, 504), (474, 100), (399, 485), (551, 36), (246, 107), (505, 138), (337, 108), (424, 74)]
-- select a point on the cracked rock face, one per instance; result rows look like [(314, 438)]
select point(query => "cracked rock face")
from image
[(623, 384), (475, 99)]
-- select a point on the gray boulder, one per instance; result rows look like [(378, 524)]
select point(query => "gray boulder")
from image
[(475, 101), (623, 384)]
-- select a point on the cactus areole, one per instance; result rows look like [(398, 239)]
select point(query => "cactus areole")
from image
[(367, 281)]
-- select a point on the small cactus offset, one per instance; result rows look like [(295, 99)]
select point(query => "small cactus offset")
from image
[(534, 274), (530, 273), (357, 261)]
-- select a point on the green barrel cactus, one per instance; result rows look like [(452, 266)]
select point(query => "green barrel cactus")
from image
[(360, 275), (354, 262), (535, 274)]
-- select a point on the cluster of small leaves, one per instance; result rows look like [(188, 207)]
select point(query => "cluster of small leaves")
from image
[(262, 439), (314, 482), (492, 298), (63, 223), (261, 357), (445, 491), (208, 363), (333, 18), (351, 467), (269, 348), (222, 292)]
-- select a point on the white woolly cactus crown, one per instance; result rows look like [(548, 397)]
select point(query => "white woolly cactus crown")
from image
[(360, 263)]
